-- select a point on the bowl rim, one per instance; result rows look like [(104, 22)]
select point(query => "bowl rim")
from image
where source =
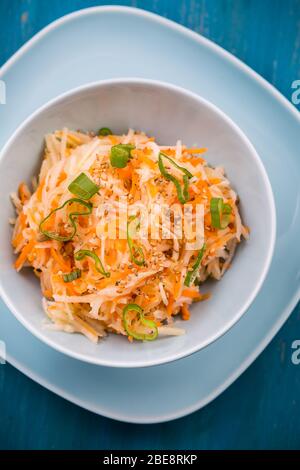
[(172, 356)]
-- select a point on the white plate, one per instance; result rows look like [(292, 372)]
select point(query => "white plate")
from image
[(172, 53)]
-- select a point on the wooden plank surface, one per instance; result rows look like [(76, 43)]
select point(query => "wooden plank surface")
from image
[(261, 409)]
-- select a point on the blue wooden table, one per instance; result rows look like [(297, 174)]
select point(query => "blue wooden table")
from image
[(261, 409)]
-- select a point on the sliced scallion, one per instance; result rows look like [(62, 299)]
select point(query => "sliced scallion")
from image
[(220, 213), (120, 155), (182, 193), (136, 252), (72, 217), (104, 131), (79, 255), (140, 319), (192, 274), (83, 187), (76, 274)]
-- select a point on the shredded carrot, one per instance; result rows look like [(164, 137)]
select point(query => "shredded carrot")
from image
[(24, 193), (121, 245), (113, 139), (64, 265), (19, 235), (61, 178), (177, 286), (17, 240), (170, 304), (24, 253), (196, 200), (111, 255), (74, 140), (205, 296), (153, 189), (221, 242), (202, 185), (142, 157), (207, 219), (22, 220), (170, 152), (185, 312), (192, 294), (47, 293), (193, 160), (114, 277), (40, 190), (196, 150), (124, 173), (214, 180), (135, 192)]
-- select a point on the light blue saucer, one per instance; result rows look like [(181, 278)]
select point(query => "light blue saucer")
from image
[(67, 54)]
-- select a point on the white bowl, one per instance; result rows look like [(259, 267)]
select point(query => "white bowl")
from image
[(169, 113)]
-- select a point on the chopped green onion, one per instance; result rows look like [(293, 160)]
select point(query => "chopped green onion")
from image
[(191, 275), (83, 187), (104, 131), (136, 252), (147, 323), (79, 255), (181, 168), (72, 217), (120, 155), (76, 274), (182, 194), (220, 213)]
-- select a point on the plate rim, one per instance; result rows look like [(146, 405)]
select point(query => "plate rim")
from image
[(197, 406), (160, 19), (270, 89)]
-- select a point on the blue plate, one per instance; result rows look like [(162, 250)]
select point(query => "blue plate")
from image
[(67, 54)]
